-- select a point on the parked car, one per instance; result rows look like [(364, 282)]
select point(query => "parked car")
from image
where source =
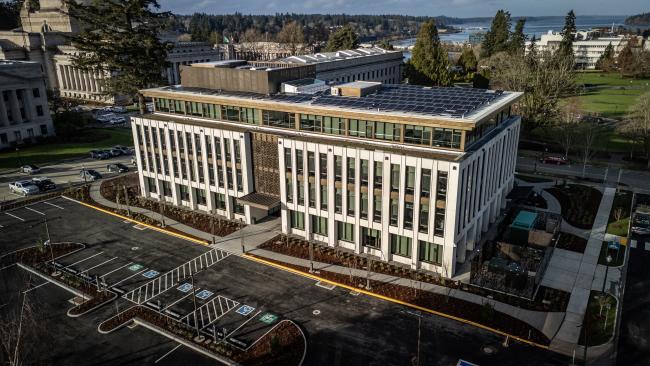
[(557, 160), (119, 109), (89, 175), (30, 169), (117, 120), (118, 167), (640, 230), (106, 117), (123, 149), (115, 152), (44, 184), (24, 187)]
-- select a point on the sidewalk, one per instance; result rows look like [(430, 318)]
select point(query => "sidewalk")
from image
[(256, 234), (586, 274)]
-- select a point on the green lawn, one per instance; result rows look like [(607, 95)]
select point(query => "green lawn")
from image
[(45, 153), (600, 319), (609, 95), (621, 206)]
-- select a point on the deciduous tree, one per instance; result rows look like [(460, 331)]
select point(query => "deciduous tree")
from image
[(120, 38), (637, 124), (293, 37), (607, 61)]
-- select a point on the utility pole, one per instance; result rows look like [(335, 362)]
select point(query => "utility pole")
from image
[(311, 255), (126, 199), (161, 206), (369, 258), (196, 322), (241, 236), (214, 238)]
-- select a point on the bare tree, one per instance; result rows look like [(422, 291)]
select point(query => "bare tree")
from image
[(587, 134), (637, 124), (293, 37), (19, 329), (566, 123)]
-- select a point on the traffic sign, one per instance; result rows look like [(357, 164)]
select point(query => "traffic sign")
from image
[(613, 245)]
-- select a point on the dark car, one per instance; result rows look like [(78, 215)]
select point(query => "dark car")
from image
[(89, 175), (44, 184), (118, 167), (556, 160)]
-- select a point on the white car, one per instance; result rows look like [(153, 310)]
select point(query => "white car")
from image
[(24, 187), (106, 117), (117, 121)]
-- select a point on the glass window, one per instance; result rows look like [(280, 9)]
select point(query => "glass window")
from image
[(199, 194), (323, 197), (376, 215), (312, 194), (297, 220), (400, 245), (408, 215), (299, 162), (425, 183), (338, 200), (287, 159), (364, 171), (423, 227), (338, 167), (410, 180), (394, 177), (319, 225), (278, 119), (394, 209), (301, 193), (379, 173), (323, 165), (430, 253), (364, 205), (344, 231), (333, 125), (351, 170), (311, 163), (351, 202), (370, 237), (289, 190)]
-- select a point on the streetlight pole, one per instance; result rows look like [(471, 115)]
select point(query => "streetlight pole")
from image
[(161, 205), (369, 259), (311, 255), (241, 236), (196, 322), (214, 238), (608, 259)]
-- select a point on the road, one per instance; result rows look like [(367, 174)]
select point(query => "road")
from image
[(347, 329), (62, 174), (637, 180)]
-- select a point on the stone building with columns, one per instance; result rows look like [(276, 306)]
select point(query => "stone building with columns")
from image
[(24, 114), (186, 53)]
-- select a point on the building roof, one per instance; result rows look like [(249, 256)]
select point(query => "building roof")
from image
[(524, 220), (336, 56), (450, 103)]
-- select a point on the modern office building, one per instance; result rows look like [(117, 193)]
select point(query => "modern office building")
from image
[(187, 53), (406, 173), (24, 114), (588, 47)]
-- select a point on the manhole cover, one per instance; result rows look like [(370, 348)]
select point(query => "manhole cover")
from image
[(316, 312), (135, 248), (488, 350)]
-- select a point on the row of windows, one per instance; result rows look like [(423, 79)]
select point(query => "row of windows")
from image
[(399, 245), (18, 135), (349, 195), (199, 195), (412, 134)]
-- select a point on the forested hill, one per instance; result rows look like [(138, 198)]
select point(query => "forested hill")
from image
[(639, 19)]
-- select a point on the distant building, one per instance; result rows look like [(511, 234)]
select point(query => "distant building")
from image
[(24, 114), (367, 64), (405, 173), (587, 47), (261, 51), (187, 53)]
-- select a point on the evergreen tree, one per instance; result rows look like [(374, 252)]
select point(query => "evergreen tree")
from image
[(626, 60), (10, 14), (568, 33), (121, 38), (517, 44), (429, 64), (606, 60), (343, 39), (496, 39), (467, 60)]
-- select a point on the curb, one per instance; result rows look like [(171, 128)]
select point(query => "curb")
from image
[(93, 308), (51, 280), (189, 238), (396, 301)]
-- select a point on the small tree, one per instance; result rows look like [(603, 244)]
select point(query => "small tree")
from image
[(343, 39), (517, 43), (429, 64), (607, 62), (293, 37), (19, 330), (565, 127), (496, 39), (121, 40), (568, 33), (626, 60), (637, 124), (588, 133), (467, 60)]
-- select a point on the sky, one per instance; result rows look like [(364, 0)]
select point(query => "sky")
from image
[(454, 8)]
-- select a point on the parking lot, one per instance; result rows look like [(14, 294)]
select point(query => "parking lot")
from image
[(234, 298)]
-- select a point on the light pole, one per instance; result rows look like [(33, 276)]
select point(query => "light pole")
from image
[(311, 255), (241, 236), (161, 205), (196, 321), (609, 260), (369, 259)]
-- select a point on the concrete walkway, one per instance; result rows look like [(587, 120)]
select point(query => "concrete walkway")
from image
[(583, 271), (254, 235)]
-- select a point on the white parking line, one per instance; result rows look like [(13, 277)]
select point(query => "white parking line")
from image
[(181, 299), (101, 264), (133, 275), (242, 324), (166, 354), (14, 216), (35, 287), (53, 205), (116, 269), (31, 209), (85, 259)]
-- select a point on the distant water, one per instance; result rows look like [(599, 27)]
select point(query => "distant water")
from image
[(535, 27)]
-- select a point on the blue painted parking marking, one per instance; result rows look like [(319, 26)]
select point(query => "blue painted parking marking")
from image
[(135, 267), (184, 287), (204, 295), (465, 363), (151, 273), (245, 310)]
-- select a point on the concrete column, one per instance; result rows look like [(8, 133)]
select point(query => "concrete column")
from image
[(4, 120), (77, 79), (60, 76), (15, 106), (28, 104), (85, 85), (73, 79), (68, 79)]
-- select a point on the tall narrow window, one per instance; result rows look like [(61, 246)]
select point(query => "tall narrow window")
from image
[(323, 165), (379, 174), (338, 167), (441, 204), (400, 245), (323, 197), (364, 205), (410, 180), (299, 162), (364, 171), (287, 159), (376, 213), (351, 207), (351, 170), (311, 164), (394, 177), (423, 226), (425, 183)]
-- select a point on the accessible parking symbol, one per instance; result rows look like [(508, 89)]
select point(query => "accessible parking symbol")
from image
[(269, 318), (204, 295), (245, 310), (151, 273), (135, 267), (184, 287)]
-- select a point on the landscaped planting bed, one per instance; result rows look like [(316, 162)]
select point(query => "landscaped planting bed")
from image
[(481, 314), (113, 190), (300, 249), (571, 242), (619, 216), (597, 314), (579, 204), (284, 345)]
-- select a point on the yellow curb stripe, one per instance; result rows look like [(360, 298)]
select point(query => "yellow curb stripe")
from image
[(390, 299), (197, 241)]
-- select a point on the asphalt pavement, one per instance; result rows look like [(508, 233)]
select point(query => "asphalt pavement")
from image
[(343, 328)]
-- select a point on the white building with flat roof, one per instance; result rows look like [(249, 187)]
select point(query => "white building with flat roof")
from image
[(24, 113), (409, 174)]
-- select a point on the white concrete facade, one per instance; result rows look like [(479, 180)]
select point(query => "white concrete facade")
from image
[(24, 113), (587, 51), (487, 176)]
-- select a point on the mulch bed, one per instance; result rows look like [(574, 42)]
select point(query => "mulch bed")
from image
[(113, 190), (571, 242), (282, 346), (300, 249), (482, 314), (579, 204), (39, 253)]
